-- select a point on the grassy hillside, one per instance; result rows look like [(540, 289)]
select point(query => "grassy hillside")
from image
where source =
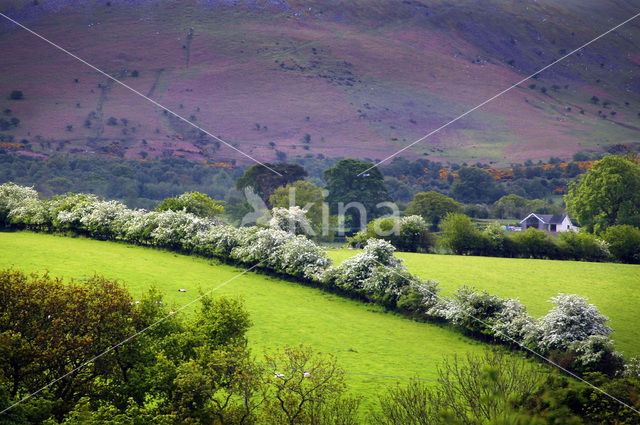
[(361, 79), (613, 288), (365, 339)]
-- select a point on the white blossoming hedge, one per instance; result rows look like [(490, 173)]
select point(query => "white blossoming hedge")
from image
[(292, 220), (374, 275)]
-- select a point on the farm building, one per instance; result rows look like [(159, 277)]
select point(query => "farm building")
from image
[(550, 223)]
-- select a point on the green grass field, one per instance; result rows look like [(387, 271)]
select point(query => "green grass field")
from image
[(613, 288), (365, 339)]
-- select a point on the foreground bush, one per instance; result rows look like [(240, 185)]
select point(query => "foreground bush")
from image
[(479, 389), (176, 371), (48, 327)]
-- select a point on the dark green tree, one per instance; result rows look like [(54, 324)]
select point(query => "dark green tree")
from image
[(264, 181), (433, 206), (475, 186), (346, 184), (608, 194)]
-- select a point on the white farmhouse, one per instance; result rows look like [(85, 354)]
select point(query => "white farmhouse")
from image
[(550, 223)]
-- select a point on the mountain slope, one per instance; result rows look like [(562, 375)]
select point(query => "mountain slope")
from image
[(281, 79)]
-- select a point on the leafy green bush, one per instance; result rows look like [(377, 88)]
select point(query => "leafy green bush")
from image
[(196, 203), (534, 243), (583, 246), (414, 235), (460, 235), (624, 243)]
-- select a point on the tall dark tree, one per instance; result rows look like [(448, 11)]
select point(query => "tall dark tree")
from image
[(264, 181), (346, 184), (475, 185)]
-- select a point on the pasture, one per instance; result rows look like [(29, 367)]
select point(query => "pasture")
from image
[(373, 346), (613, 288)]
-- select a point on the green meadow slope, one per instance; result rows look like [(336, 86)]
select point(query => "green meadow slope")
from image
[(613, 288), (366, 340)]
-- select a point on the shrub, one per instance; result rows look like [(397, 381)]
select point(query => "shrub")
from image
[(571, 320), (196, 203), (597, 354), (583, 246), (513, 324), (468, 309), (352, 273), (106, 219), (31, 213), (177, 229), (460, 235), (358, 240), (419, 298), (534, 243), (218, 241), (16, 95), (68, 210), (495, 237), (140, 227), (624, 243), (302, 258), (13, 196), (263, 246), (632, 368), (18, 204), (410, 234), (414, 235), (382, 252)]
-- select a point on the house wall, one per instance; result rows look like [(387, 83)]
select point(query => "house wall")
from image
[(567, 226)]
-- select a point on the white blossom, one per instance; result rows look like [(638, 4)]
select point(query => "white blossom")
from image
[(302, 258), (293, 220), (13, 197), (263, 246), (572, 319)]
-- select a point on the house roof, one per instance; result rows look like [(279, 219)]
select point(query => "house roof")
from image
[(547, 218), (552, 218)]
